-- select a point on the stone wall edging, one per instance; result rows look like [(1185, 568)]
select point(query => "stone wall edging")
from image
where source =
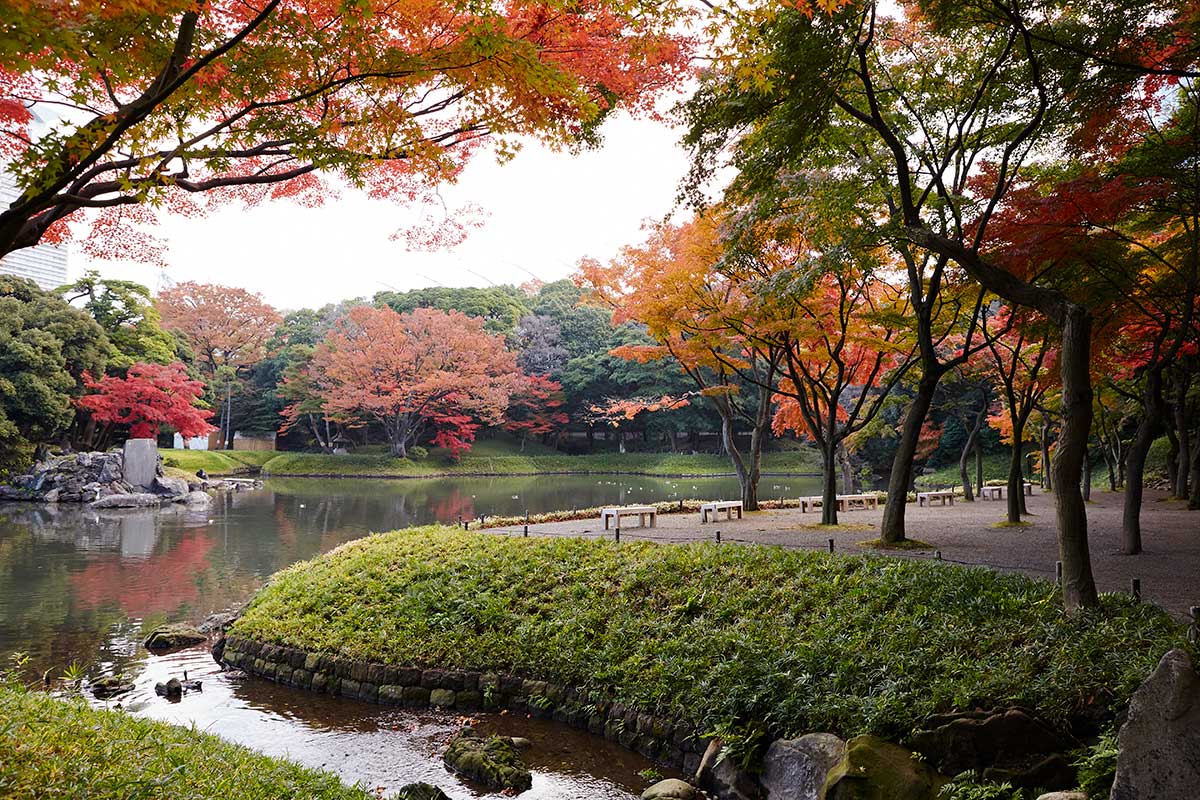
[(673, 742)]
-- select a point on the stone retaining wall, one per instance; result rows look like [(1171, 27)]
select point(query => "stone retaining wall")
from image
[(672, 742)]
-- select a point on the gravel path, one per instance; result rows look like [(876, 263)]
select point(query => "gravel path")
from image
[(1169, 569)]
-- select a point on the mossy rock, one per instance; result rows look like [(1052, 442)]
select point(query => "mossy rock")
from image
[(421, 791), (173, 637), (874, 769), (494, 761)]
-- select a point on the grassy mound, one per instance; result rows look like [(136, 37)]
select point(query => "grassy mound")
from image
[(727, 636), (384, 466), (55, 748), (215, 462)]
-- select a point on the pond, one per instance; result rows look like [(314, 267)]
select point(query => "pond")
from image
[(79, 586)]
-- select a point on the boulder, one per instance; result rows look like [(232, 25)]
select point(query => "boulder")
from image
[(493, 761), (169, 487), (173, 637), (873, 769), (796, 769), (1063, 796), (723, 778), (671, 789), (420, 791), (135, 500), (111, 686), (1002, 745), (1159, 744), (196, 499)]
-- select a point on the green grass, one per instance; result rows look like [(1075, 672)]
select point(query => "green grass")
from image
[(480, 463), (726, 636), (215, 462), (63, 748)]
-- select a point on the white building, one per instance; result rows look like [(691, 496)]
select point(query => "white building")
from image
[(46, 264)]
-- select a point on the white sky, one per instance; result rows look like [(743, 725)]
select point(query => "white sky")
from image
[(545, 210)]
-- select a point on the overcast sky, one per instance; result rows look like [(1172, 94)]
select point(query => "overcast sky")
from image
[(544, 211)]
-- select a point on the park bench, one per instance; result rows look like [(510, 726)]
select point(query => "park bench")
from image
[(997, 492), (813, 502), (927, 498), (848, 502), (712, 508), (615, 513)]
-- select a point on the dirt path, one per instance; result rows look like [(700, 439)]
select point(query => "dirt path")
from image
[(1169, 569)]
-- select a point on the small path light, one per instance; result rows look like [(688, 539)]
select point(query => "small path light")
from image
[(718, 537), (617, 534), (1135, 588), (937, 554), (1194, 631), (526, 531), (1058, 572), (831, 545)]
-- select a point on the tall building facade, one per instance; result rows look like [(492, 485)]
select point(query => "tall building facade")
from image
[(46, 264)]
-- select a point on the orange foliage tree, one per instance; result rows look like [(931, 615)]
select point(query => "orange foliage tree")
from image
[(425, 372), (192, 104), (535, 408), (675, 286), (228, 329)]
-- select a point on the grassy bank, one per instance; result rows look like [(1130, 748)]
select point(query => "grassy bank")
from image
[(57, 748), (728, 636), (215, 462), (490, 461)]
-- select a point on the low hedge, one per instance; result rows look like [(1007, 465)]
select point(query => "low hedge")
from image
[(63, 748), (383, 466), (733, 638)]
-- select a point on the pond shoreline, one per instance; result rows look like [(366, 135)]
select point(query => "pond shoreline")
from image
[(533, 474)]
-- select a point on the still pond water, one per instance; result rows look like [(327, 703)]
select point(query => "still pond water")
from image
[(80, 586)]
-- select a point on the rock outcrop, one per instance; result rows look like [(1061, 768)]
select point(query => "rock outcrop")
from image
[(493, 761), (173, 637), (796, 769), (420, 791), (874, 769), (1003, 745), (1159, 744), (96, 478)]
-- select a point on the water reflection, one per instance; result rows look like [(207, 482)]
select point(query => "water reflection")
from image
[(82, 586)]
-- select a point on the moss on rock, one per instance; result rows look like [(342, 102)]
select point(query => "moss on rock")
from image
[(493, 761)]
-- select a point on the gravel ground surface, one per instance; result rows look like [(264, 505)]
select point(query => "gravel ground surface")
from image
[(1169, 569)]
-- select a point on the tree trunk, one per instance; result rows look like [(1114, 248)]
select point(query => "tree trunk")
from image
[(1086, 487), (1184, 435), (972, 444), (979, 461), (847, 469), (1047, 483), (1079, 586), (892, 529), (1194, 494), (829, 489), (1016, 478), (1135, 468)]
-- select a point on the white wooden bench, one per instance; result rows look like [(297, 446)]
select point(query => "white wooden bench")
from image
[(848, 502), (1028, 489), (812, 502), (714, 507), (927, 498), (614, 513), (991, 492)]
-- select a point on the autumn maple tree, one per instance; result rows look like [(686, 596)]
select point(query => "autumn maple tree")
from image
[(675, 286), (426, 373), (147, 398), (118, 106)]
